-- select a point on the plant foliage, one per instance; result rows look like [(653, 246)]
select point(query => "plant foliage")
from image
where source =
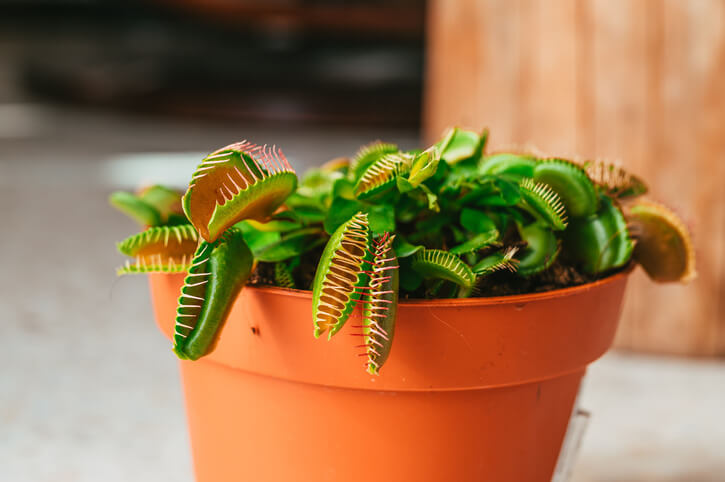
[(394, 224)]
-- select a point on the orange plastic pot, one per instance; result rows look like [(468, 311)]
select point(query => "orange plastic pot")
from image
[(475, 389)]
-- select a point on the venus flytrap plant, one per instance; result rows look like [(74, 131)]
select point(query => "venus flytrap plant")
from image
[(602, 241), (339, 275), (237, 182), (167, 249), (380, 305), (544, 203), (367, 155), (283, 275), (518, 166), (152, 206), (135, 208), (423, 166), (446, 221), (571, 183), (613, 180), (166, 201), (663, 246), (498, 261), (443, 265), (542, 249), (381, 175), (217, 273), (459, 145), (476, 243)]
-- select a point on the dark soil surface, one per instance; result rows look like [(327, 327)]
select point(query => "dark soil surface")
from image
[(558, 276), (502, 283), (263, 275)]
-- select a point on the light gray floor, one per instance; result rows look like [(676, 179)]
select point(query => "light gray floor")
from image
[(88, 387)]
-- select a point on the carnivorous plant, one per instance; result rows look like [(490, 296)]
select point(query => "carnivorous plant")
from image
[(447, 221)]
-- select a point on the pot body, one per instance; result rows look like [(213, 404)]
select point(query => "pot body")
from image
[(475, 389)]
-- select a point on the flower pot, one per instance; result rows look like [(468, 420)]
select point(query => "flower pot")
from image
[(475, 389)]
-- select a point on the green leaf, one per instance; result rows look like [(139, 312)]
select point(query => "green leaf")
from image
[(407, 208), (499, 261), (432, 198), (343, 188), (476, 221), (310, 215), (410, 280), (290, 245), (442, 145), (403, 248), (504, 193), (424, 166), (516, 165), (464, 173), (218, 272), (165, 200), (282, 222), (542, 249), (317, 183), (381, 219), (367, 155), (599, 242), (436, 263), (175, 219), (477, 242), (297, 200), (340, 211), (256, 239), (543, 203), (508, 215), (571, 183), (404, 185), (431, 224), (381, 175), (259, 180), (459, 235), (135, 208), (340, 272), (462, 145)]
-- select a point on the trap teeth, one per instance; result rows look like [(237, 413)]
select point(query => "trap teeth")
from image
[(340, 273), (216, 275), (571, 183), (166, 249), (238, 182), (436, 263), (664, 248), (381, 304), (381, 175)]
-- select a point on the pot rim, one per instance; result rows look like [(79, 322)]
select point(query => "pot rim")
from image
[(486, 342), (485, 301)]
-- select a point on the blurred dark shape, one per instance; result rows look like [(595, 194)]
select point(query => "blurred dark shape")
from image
[(334, 61)]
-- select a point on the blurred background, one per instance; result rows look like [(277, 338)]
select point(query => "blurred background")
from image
[(103, 95)]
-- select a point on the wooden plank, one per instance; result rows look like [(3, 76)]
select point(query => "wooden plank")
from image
[(684, 164), (639, 82), (472, 69), (548, 71), (498, 63)]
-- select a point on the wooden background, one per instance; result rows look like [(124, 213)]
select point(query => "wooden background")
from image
[(637, 81)]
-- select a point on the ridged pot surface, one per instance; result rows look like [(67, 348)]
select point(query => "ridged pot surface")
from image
[(474, 389)]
